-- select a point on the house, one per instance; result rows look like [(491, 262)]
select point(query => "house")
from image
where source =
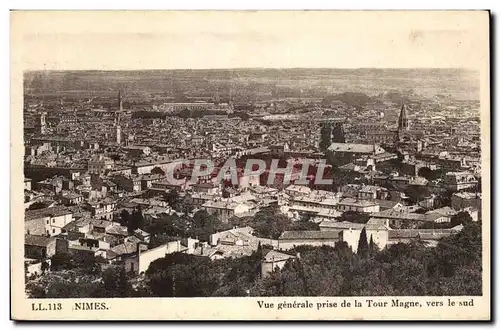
[(429, 236), (142, 235), (137, 151), (147, 180), (207, 188), (358, 205), (296, 190), (446, 211), (354, 149), (39, 247), (100, 164), (403, 219), (372, 192), (272, 260), (225, 209), (235, 236), (290, 239), (83, 250), (462, 200), (70, 198), (456, 181), (103, 209), (128, 183), (47, 221)]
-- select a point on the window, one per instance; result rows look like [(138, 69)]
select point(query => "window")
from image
[(53, 230), (53, 220), (47, 221)]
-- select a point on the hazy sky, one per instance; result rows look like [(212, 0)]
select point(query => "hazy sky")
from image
[(194, 40)]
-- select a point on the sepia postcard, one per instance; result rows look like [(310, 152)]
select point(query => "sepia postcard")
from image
[(250, 165)]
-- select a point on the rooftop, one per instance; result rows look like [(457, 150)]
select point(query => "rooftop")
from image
[(55, 211), (310, 234), (36, 240)]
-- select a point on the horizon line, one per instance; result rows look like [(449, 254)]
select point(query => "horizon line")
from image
[(256, 68)]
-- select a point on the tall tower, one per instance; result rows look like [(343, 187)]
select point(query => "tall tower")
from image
[(403, 126), (403, 119), (42, 124), (120, 101)]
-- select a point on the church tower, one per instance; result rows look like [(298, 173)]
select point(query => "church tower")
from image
[(403, 119), (403, 126), (118, 128), (41, 123)]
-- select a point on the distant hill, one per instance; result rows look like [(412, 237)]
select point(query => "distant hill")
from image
[(257, 83)]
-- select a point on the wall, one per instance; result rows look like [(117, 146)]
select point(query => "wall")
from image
[(139, 264), (54, 225), (351, 237), (35, 227), (290, 244)]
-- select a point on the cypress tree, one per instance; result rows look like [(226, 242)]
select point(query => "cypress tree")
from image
[(363, 243)]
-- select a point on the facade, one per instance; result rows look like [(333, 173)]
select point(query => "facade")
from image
[(358, 205), (47, 221), (456, 181), (290, 239)]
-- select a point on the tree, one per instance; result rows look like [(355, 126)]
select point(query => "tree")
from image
[(124, 218), (353, 216), (461, 218), (116, 283), (172, 198), (338, 133), (136, 220), (417, 193), (325, 136), (61, 261), (363, 243)]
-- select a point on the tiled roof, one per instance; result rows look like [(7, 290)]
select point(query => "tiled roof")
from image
[(426, 234), (310, 234), (36, 240), (55, 211), (274, 256)]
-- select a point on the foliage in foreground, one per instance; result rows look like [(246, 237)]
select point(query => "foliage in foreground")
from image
[(453, 267)]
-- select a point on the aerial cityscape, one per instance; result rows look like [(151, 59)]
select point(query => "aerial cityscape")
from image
[(252, 182)]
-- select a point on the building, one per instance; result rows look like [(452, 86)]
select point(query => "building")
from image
[(290, 239), (456, 181), (358, 205), (128, 183), (100, 164), (430, 237), (47, 221), (39, 247), (225, 209), (272, 260), (403, 125), (400, 218)]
